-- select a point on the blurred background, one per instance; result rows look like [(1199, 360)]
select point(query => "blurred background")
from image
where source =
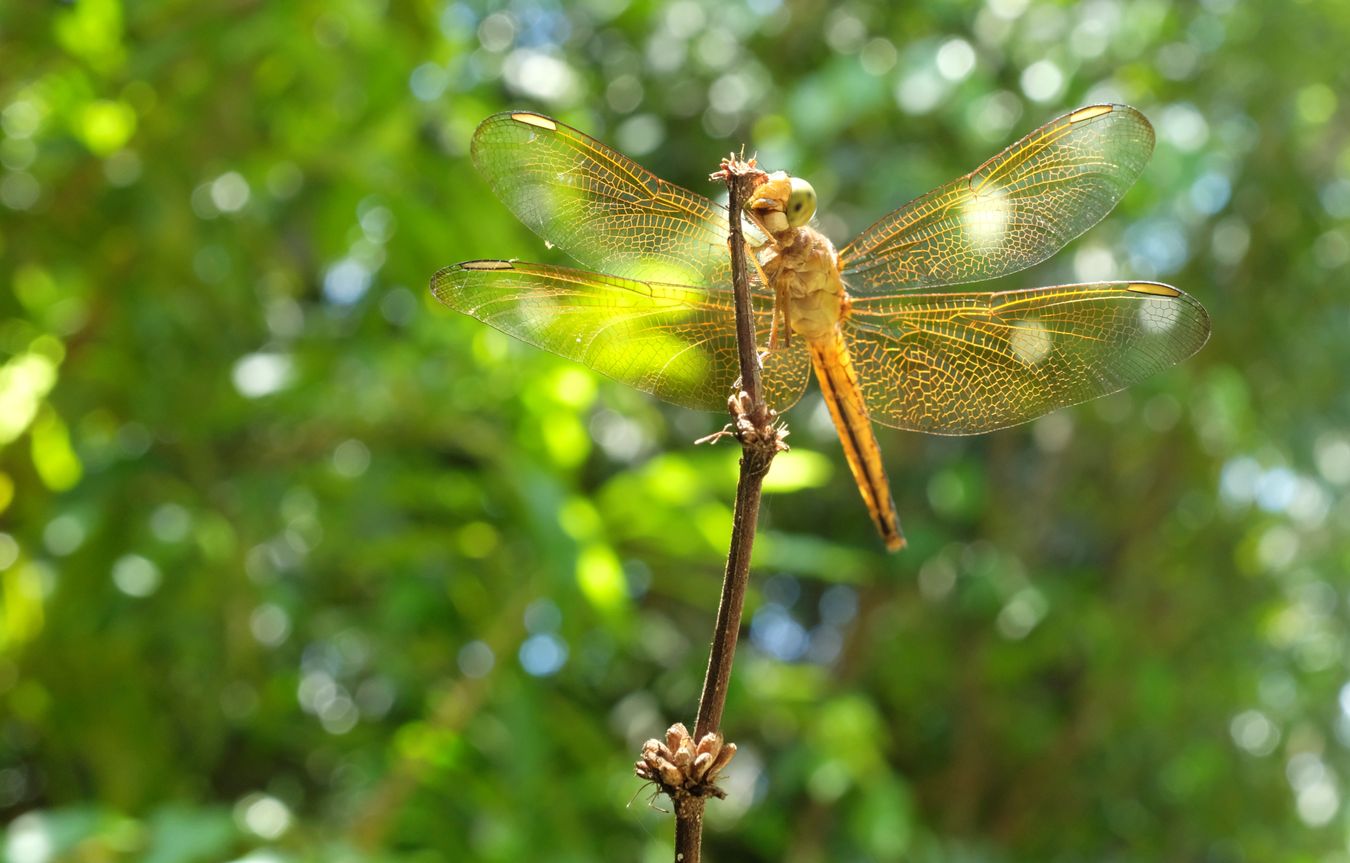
[(296, 565)]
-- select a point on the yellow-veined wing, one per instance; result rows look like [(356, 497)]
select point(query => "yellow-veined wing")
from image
[(676, 342), (600, 207), (1015, 210), (968, 362)]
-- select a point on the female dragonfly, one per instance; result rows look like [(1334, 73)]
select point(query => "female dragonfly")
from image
[(890, 335)]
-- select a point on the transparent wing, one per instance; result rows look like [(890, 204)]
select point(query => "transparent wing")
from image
[(600, 207), (964, 363), (676, 342), (1015, 210)]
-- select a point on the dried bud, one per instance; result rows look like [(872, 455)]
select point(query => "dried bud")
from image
[(720, 763), (681, 767), (671, 775), (711, 742), (701, 765), (675, 734)]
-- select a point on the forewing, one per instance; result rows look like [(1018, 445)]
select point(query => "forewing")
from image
[(965, 363), (674, 341), (1012, 212), (600, 207)]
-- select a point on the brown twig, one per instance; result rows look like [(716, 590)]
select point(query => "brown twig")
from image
[(741, 177), (761, 439)]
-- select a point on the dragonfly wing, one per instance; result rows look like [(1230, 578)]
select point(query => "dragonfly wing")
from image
[(600, 207), (965, 363), (674, 341), (1012, 212)]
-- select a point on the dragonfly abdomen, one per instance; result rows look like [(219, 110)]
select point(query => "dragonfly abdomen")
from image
[(839, 385)]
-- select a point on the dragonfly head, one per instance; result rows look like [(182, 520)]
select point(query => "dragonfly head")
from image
[(783, 202)]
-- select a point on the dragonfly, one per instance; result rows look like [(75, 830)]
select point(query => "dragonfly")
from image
[(893, 335)]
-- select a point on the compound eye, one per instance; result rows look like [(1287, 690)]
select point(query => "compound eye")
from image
[(801, 204)]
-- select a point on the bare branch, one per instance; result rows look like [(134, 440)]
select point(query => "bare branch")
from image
[(761, 437)]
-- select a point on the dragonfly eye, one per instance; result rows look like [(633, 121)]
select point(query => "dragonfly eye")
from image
[(801, 204)]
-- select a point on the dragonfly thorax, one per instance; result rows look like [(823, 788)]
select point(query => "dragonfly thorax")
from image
[(804, 274)]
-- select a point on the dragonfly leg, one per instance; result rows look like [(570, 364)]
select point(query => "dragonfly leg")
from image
[(780, 319), (780, 335)]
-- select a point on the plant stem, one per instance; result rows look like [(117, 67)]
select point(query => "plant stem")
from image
[(740, 180), (689, 830), (754, 465), (760, 442)]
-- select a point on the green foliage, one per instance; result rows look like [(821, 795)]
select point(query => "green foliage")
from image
[(297, 565)]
